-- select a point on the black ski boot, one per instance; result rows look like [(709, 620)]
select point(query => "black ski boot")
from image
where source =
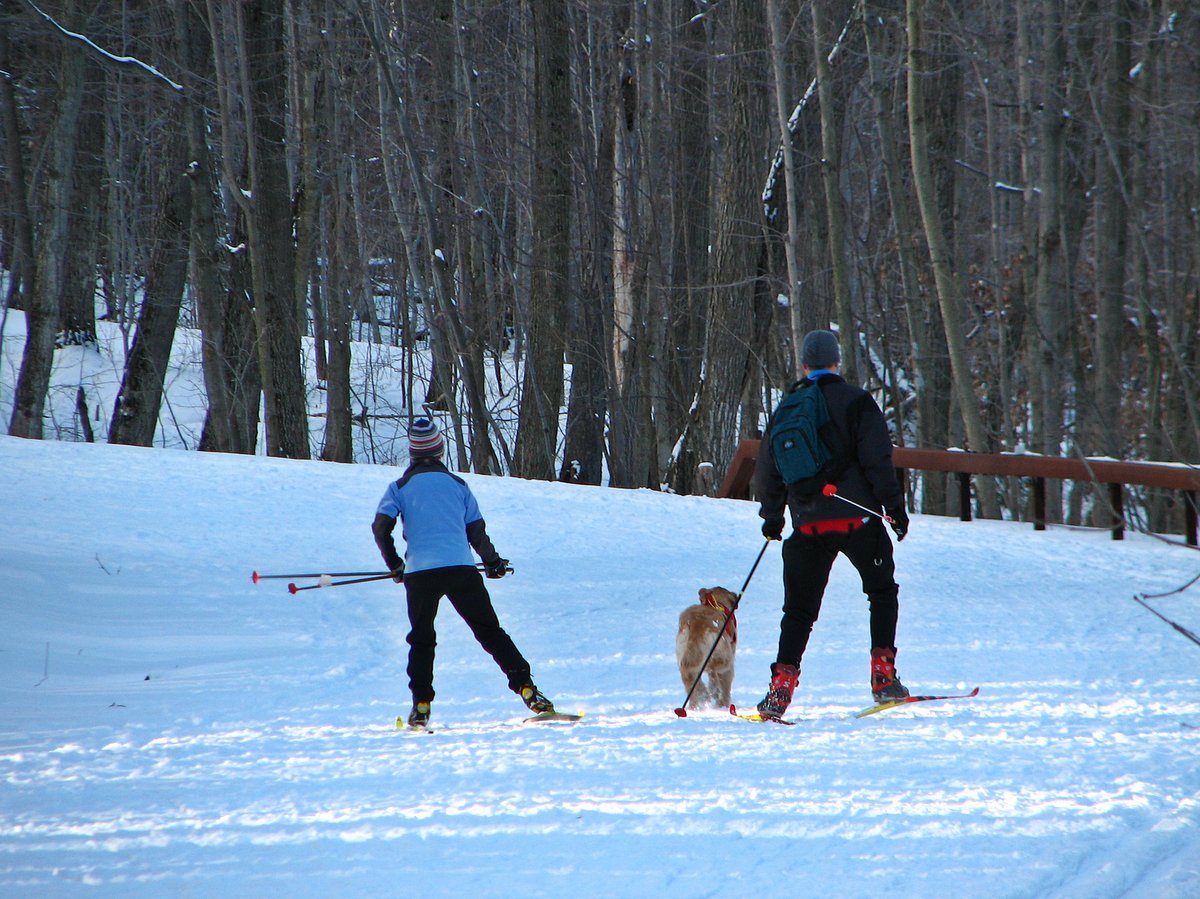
[(536, 702), (419, 716)]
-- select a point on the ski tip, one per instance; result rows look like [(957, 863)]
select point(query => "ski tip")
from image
[(554, 718), (974, 692), (756, 717)]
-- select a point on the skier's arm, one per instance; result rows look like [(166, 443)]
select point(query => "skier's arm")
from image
[(768, 483), (382, 528), (874, 445), (480, 542)]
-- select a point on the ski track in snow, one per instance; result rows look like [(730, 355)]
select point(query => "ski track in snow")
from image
[(169, 728)]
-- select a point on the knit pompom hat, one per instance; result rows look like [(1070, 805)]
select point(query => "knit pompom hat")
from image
[(820, 349), (424, 439)]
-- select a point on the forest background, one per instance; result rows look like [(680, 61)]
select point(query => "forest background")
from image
[(609, 222)]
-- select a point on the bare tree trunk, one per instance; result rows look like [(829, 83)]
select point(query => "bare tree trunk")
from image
[(632, 460), (238, 346), (791, 179), (542, 395), (737, 244), (309, 79), (691, 127), (225, 429), (340, 288), (949, 299), (583, 453), (269, 215), (77, 320), (478, 236), (835, 213), (1050, 300), (1111, 222), (135, 414), (45, 306), (926, 346), (589, 348), (22, 264)]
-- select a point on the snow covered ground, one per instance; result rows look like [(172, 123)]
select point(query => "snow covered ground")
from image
[(169, 728)]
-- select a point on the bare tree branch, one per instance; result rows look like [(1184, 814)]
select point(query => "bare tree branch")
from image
[(112, 57)]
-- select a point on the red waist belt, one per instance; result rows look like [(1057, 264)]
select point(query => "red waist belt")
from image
[(833, 526)]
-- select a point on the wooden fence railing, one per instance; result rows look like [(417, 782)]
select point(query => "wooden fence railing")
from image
[(1115, 475)]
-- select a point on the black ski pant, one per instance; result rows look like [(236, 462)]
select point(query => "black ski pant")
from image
[(463, 586), (807, 560)]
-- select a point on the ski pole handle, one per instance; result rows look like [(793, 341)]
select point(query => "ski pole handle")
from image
[(479, 566)]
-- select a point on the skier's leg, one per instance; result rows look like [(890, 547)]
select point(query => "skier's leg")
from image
[(469, 596), (870, 551), (424, 593), (806, 565)]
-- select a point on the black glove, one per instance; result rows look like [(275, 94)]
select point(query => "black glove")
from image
[(398, 572), (899, 522), (496, 568), (772, 528)]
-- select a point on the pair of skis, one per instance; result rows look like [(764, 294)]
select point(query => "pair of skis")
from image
[(564, 718), (862, 713)]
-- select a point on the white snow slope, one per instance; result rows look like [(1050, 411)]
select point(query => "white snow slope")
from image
[(168, 728)]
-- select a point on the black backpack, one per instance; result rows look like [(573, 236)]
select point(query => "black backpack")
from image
[(808, 449)]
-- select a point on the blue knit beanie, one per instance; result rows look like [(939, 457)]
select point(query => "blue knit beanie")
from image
[(820, 350)]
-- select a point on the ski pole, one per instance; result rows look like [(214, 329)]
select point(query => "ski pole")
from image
[(323, 582), (256, 577), (831, 490), (682, 710), (326, 580)]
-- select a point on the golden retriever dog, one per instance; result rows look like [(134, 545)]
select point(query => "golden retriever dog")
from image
[(699, 625)]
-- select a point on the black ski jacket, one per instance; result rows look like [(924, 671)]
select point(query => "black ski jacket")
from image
[(869, 477)]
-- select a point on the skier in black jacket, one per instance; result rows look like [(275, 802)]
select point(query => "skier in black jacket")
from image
[(824, 524)]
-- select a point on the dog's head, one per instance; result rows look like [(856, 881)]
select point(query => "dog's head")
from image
[(718, 598)]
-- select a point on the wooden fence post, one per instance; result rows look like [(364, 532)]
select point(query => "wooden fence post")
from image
[(1117, 497), (1039, 504)]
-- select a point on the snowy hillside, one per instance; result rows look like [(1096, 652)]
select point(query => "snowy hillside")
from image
[(171, 729)]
